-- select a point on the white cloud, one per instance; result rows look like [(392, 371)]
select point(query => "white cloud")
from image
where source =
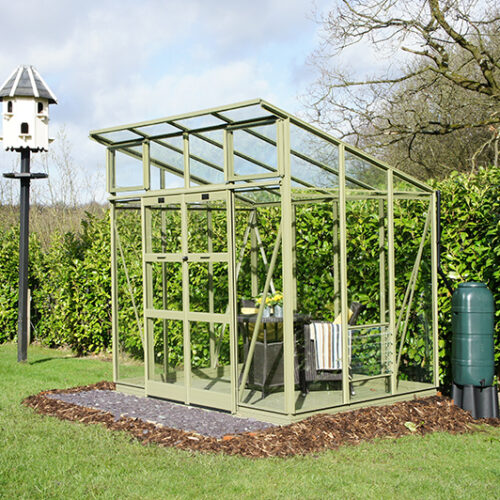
[(113, 62)]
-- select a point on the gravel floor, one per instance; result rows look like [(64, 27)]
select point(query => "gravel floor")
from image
[(205, 422)]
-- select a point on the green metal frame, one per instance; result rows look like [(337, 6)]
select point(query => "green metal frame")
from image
[(148, 143)]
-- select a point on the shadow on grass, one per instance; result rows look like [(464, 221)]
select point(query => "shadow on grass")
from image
[(55, 358)]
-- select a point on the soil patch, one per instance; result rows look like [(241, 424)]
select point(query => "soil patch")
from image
[(312, 435)]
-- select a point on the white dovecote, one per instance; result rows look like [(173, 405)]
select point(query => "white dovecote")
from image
[(25, 104)]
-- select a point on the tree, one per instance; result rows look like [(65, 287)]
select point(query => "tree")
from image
[(436, 106)]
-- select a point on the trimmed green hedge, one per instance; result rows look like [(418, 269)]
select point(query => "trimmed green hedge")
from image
[(70, 281)]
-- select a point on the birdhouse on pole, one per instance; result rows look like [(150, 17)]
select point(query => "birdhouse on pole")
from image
[(26, 98)]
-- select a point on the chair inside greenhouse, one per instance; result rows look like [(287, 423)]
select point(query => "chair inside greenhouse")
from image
[(262, 267)]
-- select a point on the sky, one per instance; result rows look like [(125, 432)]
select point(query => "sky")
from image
[(112, 62)]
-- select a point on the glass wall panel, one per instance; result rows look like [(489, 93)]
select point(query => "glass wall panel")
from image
[(129, 278), (413, 295), (260, 347), (318, 385), (128, 170)]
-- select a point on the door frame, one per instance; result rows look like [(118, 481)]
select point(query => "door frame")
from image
[(186, 393)]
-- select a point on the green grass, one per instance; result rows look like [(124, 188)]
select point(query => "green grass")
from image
[(42, 457)]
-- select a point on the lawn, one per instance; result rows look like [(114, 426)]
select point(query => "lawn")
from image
[(42, 457)]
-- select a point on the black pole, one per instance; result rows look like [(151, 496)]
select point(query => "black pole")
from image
[(23, 321)]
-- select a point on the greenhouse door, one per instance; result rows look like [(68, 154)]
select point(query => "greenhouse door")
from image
[(188, 313)]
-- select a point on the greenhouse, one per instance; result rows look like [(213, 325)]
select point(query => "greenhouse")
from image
[(262, 267)]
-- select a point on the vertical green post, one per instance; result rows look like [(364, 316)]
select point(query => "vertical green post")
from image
[(382, 285), (114, 294), (146, 166), (211, 332), (344, 306), (164, 281), (336, 266), (228, 155), (232, 306), (147, 291), (434, 278), (185, 300), (253, 255), (110, 171), (392, 280), (287, 256), (187, 171), (294, 259)]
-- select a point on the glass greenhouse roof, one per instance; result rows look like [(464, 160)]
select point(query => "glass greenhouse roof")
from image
[(314, 154)]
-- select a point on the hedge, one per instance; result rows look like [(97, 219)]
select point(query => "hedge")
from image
[(70, 279)]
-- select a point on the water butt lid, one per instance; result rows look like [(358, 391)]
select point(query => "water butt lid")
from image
[(472, 297)]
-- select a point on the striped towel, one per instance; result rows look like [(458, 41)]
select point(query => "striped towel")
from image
[(327, 339)]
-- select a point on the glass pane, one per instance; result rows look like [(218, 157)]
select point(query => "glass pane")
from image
[(120, 135), (169, 156), (167, 285), (210, 365), (314, 160), (205, 174), (365, 173), (168, 351), (128, 170), (264, 384), (252, 144), (414, 316), (199, 122), (401, 184), (208, 287), (130, 318), (245, 113), (305, 173), (207, 226), (206, 150), (158, 129), (166, 228), (366, 247)]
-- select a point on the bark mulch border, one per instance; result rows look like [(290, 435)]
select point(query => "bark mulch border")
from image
[(312, 435)]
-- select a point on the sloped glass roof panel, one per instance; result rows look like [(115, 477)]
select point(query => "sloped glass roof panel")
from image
[(401, 184), (171, 156), (245, 113), (206, 150), (158, 129), (249, 142), (244, 167), (198, 122), (205, 172), (262, 195), (120, 135), (358, 169), (305, 173)]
